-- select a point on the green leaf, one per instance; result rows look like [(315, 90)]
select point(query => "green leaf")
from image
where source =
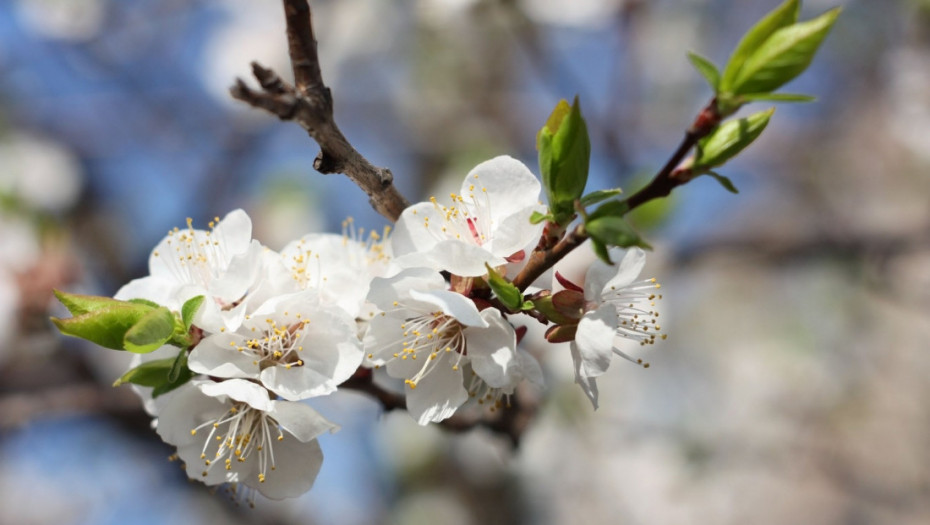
[(79, 304), (609, 209), (599, 196), (150, 332), (707, 69), (156, 374), (536, 217), (189, 310), (724, 181), (777, 97), (614, 231), (107, 326), (785, 55), (564, 156), (782, 16), (179, 364), (600, 249), (508, 294), (144, 302), (729, 139)]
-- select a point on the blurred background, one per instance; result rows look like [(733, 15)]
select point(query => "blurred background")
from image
[(793, 387)]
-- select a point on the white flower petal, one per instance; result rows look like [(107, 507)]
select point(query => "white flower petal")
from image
[(492, 351), (588, 384), (297, 382), (385, 291), (515, 232), (452, 304), (510, 186), (438, 396), (456, 257), (297, 465), (214, 356), (594, 340), (601, 276), (239, 390), (234, 231), (302, 421)]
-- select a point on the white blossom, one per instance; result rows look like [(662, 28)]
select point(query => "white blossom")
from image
[(488, 222), (297, 346), (223, 264), (617, 307), (427, 335), (232, 432)]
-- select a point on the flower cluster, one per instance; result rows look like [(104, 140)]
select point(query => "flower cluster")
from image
[(264, 331)]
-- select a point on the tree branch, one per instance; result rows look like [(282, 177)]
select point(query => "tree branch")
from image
[(667, 179), (310, 104)]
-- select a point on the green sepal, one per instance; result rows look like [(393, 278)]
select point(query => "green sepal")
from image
[(707, 69), (508, 294), (150, 332), (536, 217), (156, 374), (784, 55), (599, 196), (564, 156), (189, 310), (782, 16), (545, 306), (724, 181), (106, 326), (729, 139)]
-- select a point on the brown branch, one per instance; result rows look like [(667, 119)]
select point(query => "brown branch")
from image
[(667, 179), (310, 104)]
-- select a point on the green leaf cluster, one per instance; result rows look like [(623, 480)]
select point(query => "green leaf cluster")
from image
[(138, 326), (772, 53), (564, 156)]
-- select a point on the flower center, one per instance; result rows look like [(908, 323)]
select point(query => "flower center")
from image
[(278, 344), (196, 257), (242, 433), (635, 305), (435, 339), (466, 220)]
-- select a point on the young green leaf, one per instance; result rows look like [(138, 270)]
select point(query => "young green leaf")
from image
[(707, 69), (79, 304), (724, 181), (782, 16), (784, 55), (144, 302), (151, 331), (107, 326), (564, 156), (508, 294), (614, 231), (179, 364), (598, 196), (729, 139), (777, 97), (156, 374), (536, 217), (189, 310)]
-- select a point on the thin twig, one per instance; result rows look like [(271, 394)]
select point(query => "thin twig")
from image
[(310, 104)]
